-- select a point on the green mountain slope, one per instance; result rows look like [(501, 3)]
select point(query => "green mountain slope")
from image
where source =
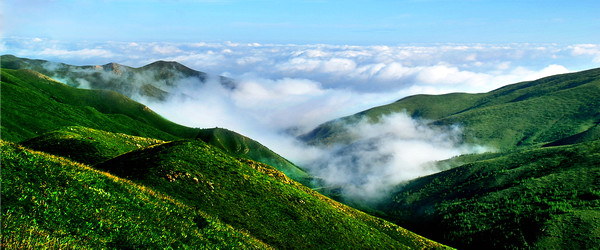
[(33, 104), (241, 146), (538, 191), (257, 198), (52, 202), (153, 81), (523, 114), (537, 198)]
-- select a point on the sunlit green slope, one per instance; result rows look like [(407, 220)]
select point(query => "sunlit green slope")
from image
[(257, 198), (52, 202), (33, 104)]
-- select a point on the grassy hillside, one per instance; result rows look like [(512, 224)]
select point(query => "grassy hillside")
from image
[(257, 198), (241, 146), (52, 202), (523, 114), (538, 191), (33, 104), (537, 198)]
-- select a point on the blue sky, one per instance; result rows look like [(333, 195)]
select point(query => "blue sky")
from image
[(306, 22), (301, 63)]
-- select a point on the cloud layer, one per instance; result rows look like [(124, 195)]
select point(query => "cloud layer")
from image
[(286, 90), (385, 154)]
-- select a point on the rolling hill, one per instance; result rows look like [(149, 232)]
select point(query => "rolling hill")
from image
[(539, 190)]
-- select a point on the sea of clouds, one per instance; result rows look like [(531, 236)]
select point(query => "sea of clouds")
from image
[(286, 90)]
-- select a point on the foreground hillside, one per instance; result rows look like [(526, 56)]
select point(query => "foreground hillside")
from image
[(539, 190), (183, 193), (52, 202), (163, 191)]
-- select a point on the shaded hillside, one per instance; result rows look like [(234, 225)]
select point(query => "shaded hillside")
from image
[(539, 198), (154, 81), (33, 103), (52, 202), (257, 198), (523, 114), (241, 146)]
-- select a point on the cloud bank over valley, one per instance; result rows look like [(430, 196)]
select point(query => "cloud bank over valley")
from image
[(282, 91)]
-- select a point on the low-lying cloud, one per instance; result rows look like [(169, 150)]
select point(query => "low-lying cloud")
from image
[(382, 155)]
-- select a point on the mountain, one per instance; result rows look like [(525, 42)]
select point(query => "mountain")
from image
[(117, 175), (538, 190), (34, 104), (519, 115), (154, 81)]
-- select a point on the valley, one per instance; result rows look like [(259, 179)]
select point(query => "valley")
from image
[(92, 167)]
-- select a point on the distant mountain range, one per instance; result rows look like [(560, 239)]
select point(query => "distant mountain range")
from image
[(154, 81)]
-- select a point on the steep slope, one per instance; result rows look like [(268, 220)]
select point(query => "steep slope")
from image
[(33, 104), (51, 202), (257, 198), (523, 114), (154, 81), (241, 146), (538, 198)]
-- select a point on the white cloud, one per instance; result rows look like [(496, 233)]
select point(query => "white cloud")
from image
[(85, 53), (588, 50)]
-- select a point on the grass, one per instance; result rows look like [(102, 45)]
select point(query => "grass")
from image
[(241, 146), (33, 104), (257, 198), (52, 202)]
